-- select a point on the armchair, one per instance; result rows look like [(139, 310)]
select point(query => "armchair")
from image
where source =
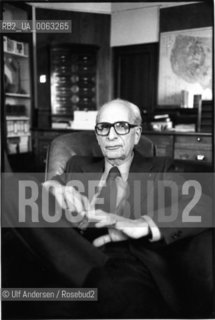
[(81, 143)]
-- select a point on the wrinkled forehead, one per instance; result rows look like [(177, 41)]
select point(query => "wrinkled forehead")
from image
[(114, 112)]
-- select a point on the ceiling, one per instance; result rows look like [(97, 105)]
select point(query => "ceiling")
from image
[(103, 7), (94, 7)]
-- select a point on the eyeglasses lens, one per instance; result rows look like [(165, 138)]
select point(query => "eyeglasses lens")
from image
[(121, 127)]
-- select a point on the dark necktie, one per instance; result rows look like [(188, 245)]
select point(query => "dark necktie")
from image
[(108, 194), (109, 191)]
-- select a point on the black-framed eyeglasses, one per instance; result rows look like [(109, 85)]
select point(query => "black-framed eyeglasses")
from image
[(120, 127)]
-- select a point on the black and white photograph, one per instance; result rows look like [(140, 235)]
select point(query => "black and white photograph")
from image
[(107, 160)]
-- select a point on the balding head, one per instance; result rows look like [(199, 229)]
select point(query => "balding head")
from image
[(111, 106)]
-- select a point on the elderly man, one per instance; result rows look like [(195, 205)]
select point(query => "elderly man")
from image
[(126, 242), (118, 130), (137, 279)]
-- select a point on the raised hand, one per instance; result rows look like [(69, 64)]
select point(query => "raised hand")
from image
[(70, 200)]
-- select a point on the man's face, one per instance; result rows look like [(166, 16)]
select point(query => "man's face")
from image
[(115, 147)]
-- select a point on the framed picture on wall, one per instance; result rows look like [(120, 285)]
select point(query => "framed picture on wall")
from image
[(185, 66)]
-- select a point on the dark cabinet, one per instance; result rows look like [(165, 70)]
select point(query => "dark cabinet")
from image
[(72, 79), (194, 148)]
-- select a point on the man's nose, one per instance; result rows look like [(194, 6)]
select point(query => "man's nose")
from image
[(112, 134)]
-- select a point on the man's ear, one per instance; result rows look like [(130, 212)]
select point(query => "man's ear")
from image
[(138, 132)]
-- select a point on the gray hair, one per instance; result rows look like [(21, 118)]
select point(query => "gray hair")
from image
[(131, 106)]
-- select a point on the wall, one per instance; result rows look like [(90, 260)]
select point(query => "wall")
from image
[(87, 28), (10, 14), (137, 22), (135, 26)]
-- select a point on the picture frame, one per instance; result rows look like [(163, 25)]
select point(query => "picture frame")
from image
[(185, 65)]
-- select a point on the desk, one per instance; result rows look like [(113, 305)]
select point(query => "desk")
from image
[(190, 146)]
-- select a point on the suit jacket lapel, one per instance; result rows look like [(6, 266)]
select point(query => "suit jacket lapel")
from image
[(96, 166)]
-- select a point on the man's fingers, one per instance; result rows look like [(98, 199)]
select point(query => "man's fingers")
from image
[(120, 225), (70, 203), (81, 202), (102, 240), (101, 218), (61, 201), (116, 235), (105, 222), (58, 191), (86, 203), (95, 215), (102, 224), (59, 196), (75, 201), (91, 215), (68, 196), (113, 236)]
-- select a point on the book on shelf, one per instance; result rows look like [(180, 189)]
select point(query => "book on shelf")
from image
[(18, 126)]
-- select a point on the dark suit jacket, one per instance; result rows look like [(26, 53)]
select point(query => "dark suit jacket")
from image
[(180, 264)]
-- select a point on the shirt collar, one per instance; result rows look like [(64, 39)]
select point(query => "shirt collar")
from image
[(123, 168)]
